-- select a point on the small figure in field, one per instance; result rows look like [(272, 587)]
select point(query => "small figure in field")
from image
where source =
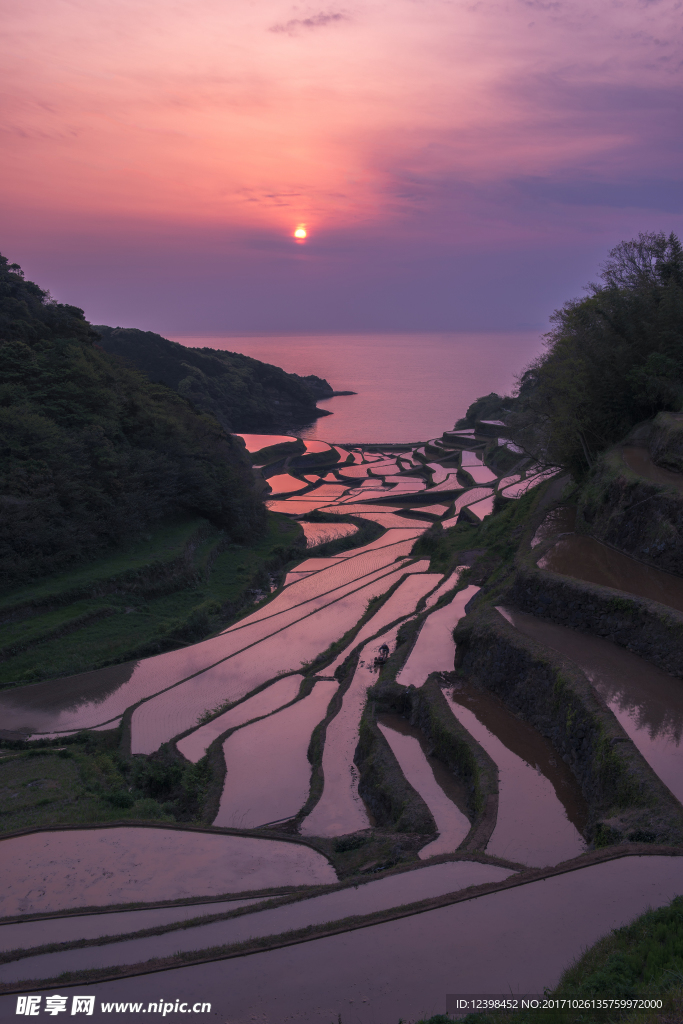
[(382, 655)]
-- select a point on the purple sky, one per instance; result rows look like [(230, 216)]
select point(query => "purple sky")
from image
[(457, 165)]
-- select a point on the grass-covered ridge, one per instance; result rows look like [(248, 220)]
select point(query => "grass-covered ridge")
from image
[(180, 583), (85, 779)]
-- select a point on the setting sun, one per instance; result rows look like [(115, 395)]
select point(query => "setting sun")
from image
[(300, 232)]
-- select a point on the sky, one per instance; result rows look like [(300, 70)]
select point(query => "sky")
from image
[(457, 164)]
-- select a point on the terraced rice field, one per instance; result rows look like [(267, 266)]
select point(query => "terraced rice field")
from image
[(540, 811), (446, 799), (285, 483), (340, 809), (647, 702), (588, 559), (434, 650), (103, 866), (257, 790), (278, 699), (282, 692)]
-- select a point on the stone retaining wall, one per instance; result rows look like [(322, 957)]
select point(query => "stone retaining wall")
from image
[(626, 800), (426, 709), (647, 628), (634, 515), (383, 786)]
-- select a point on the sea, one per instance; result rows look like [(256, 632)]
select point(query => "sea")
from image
[(409, 387)]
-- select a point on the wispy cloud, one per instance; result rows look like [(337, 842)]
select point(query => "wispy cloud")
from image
[(320, 20), (443, 127)]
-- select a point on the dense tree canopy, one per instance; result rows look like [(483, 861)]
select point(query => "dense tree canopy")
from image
[(244, 394), (92, 452), (613, 358)]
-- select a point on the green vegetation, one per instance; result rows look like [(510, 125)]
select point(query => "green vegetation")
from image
[(642, 959), (86, 779), (613, 359), (126, 568), (243, 394), (665, 441), (92, 452), (488, 407), (184, 581), (497, 538)]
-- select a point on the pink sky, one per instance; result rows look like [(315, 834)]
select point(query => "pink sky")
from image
[(457, 164)]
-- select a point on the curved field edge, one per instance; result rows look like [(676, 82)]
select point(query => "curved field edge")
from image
[(649, 629), (626, 799), (194, 582), (314, 932), (426, 709), (640, 960), (269, 900)]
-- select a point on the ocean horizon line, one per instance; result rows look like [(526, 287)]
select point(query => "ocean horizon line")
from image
[(357, 334)]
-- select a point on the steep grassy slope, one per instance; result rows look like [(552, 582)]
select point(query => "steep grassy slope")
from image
[(182, 582)]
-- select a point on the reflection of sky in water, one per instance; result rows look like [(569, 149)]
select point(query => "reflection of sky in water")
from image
[(539, 820), (40, 706), (319, 603), (660, 748), (409, 387), (647, 702), (587, 559)]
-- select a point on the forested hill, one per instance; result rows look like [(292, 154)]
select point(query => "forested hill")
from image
[(612, 360), (243, 394), (91, 451)]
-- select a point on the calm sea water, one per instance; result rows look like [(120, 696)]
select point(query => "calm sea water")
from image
[(410, 387)]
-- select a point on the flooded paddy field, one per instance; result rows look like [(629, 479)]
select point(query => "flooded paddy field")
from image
[(257, 790), (368, 898), (484, 508), (195, 745), (42, 707), (445, 797), (647, 701), (514, 940), (46, 930), (102, 866), (639, 460), (541, 811), (285, 483), (399, 605), (258, 442), (162, 717), (99, 697), (341, 809), (277, 699), (449, 583), (588, 559), (434, 649)]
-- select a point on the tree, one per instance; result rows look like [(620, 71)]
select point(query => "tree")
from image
[(612, 359), (92, 452)]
